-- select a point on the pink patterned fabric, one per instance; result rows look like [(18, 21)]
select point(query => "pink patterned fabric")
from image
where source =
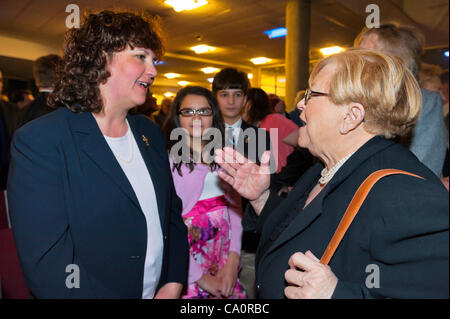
[(209, 235), (189, 186)]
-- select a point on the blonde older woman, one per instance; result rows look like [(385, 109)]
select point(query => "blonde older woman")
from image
[(397, 245)]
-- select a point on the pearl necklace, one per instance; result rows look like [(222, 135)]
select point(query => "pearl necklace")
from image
[(328, 175), (130, 144)]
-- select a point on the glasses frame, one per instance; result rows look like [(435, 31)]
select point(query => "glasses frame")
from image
[(196, 111), (310, 93)]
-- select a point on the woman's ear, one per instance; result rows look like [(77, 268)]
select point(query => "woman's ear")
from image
[(353, 117)]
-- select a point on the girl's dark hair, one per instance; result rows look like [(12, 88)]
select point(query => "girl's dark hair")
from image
[(87, 50), (173, 121), (260, 105)]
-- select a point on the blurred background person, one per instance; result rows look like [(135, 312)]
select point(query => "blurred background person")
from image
[(428, 138), (160, 117), (22, 98), (430, 77), (8, 118), (149, 107), (10, 112), (444, 96), (4, 145), (44, 72), (299, 161), (3, 97), (277, 104), (283, 132), (294, 115)]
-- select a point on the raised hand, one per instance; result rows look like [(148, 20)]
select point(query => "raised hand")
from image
[(245, 176)]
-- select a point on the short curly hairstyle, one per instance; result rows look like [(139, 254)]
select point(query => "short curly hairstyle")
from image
[(86, 52), (380, 82)]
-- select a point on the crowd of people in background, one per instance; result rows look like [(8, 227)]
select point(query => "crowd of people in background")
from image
[(103, 186)]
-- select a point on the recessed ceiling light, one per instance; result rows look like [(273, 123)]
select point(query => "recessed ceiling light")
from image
[(183, 83), (331, 50), (250, 76), (202, 48), (181, 5), (171, 75), (210, 70), (210, 80), (169, 94), (276, 33), (260, 60)]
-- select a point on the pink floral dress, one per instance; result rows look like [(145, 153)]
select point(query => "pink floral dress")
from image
[(209, 235)]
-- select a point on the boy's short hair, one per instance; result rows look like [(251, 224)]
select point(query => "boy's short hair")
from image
[(230, 78)]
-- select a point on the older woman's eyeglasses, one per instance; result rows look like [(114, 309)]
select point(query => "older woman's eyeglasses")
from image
[(310, 93), (192, 112)]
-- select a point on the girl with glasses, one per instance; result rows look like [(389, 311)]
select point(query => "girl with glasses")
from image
[(211, 209)]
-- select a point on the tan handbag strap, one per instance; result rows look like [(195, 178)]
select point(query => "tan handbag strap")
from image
[(354, 207)]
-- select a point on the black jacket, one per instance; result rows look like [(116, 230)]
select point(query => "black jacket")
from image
[(402, 228), (35, 109), (71, 203)]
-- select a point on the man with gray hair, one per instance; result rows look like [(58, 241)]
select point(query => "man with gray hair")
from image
[(428, 140), (44, 71)]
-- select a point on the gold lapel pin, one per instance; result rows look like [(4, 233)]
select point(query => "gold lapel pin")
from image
[(145, 140)]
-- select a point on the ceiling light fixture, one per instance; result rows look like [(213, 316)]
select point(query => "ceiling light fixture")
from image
[(171, 75), (181, 5), (250, 76), (331, 50), (183, 83), (210, 70), (202, 48), (210, 80), (169, 94), (260, 60), (276, 33), (446, 53)]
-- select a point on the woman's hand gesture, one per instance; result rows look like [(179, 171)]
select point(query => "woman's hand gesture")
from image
[(246, 177)]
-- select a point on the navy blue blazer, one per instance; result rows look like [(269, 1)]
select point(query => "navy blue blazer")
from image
[(71, 203)]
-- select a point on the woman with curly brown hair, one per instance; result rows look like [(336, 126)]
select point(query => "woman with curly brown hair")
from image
[(101, 217)]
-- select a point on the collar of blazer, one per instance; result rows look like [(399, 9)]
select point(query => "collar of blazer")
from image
[(94, 145), (313, 210)]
